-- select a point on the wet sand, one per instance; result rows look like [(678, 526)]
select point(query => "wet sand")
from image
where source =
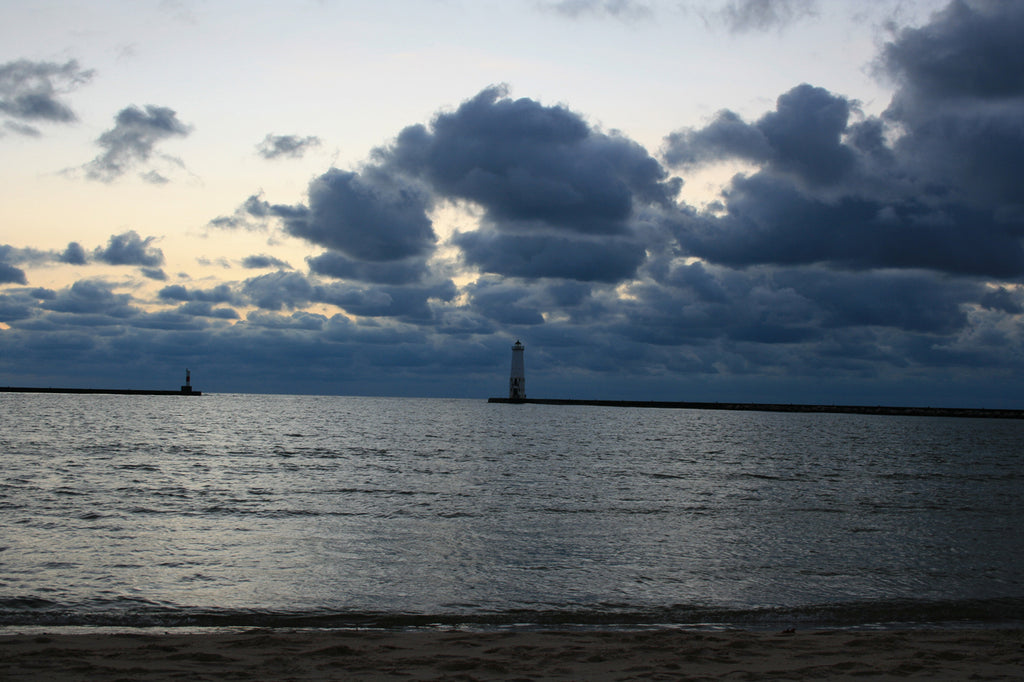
[(458, 655)]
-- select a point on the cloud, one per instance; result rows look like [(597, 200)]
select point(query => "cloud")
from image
[(129, 248), (531, 166), (11, 275), (279, 291), (31, 92), (932, 184), (74, 254), (154, 273), (969, 50), (961, 100), (10, 256), (905, 300), (535, 256), (620, 9), (131, 143), (296, 321), (803, 136), (16, 306), (205, 309), (293, 291), (264, 261), (92, 297), (771, 221), (221, 293), (404, 302), (22, 129), (1003, 300), (254, 214), (333, 264), (291, 146), (506, 303), (741, 16), (558, 199), (366, 216)]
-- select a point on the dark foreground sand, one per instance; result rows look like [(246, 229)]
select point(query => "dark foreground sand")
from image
[(456, 655)]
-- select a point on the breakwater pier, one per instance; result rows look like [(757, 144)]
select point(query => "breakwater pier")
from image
[(186, 389), (100, 391), (779, 407)]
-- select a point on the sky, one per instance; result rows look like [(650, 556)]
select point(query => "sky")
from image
[(714, 200)]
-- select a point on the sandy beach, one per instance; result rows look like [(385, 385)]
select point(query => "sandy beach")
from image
[(458, 655)]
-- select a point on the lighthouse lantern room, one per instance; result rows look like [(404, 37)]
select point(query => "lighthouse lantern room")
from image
[(517, 380)]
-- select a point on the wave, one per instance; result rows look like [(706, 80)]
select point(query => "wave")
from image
[(134, 613)]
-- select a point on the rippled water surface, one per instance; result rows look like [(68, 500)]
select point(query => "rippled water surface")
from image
[(243, 509)]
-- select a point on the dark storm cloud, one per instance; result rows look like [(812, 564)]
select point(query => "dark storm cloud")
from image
[(804, 136), (14, 307), (132, 140), (907, 301), (727, 136), (367, 216), (334, 264), (291, 146), (970, 49), (803, 319), (558, 199), (130, 249), (279, 291), (11, 275), (298, 320), (264, 261), (11, 254), (92, 297), (121, 249), (11, 257), (74, 254), (961, 100), (292, 291), (942, 195), (1001, 299), (205, 309), (219, 294), (531, 166), (701, 305), (154, 273), (536, 256), (772, 221), (505, 303), (31, 91), (406, 302)]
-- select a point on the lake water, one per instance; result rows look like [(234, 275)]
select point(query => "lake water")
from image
[(299, 511)]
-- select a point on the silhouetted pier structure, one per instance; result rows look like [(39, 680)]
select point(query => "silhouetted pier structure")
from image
[(780, 407), (184, 390)]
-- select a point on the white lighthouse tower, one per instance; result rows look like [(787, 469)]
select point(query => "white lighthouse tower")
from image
[(517, 380)]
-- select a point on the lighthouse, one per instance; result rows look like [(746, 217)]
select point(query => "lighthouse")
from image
[(187, 388), (517, 380)]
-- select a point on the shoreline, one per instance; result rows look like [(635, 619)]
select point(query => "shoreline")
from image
[(892, 410), (599, 655)]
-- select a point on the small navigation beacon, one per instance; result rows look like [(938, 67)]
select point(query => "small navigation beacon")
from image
[(517, 380), (187, 388)]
